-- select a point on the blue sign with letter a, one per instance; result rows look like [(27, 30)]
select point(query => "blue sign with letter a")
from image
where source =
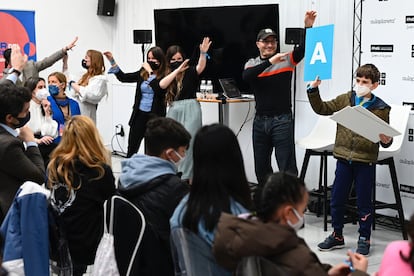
[(318, 53)]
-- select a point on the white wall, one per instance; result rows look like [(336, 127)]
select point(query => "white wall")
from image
[(58, 21)]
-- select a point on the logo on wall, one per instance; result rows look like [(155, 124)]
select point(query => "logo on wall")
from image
[(383, 76), (382, 50), (20, 30), (388, 48), (409, 19), (407, 188), (383, 21)]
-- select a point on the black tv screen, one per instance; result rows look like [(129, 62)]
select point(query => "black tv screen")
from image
[(232, 29)]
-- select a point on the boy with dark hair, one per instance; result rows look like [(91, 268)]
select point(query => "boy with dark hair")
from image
[(151, 182), (356, 156)]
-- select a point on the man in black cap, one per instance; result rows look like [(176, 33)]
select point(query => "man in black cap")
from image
[(270, 77)]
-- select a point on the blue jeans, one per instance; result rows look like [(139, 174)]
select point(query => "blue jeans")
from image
[(363, 174), (273, 132)]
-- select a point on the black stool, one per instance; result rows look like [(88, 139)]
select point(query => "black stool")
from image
[(322, 192), (377, 205)]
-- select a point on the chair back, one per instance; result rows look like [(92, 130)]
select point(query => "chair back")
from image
[(259, 266), (128, 230), (192, 255), (399, 115), (322, 136)]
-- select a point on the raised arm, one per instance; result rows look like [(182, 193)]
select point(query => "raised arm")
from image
[(310, 17), (50, 60), (202, 60), (171, 76)]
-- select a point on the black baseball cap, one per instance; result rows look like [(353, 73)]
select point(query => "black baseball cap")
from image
[(265, 33)]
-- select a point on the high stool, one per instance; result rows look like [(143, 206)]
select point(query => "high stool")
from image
[(398, 204), (319, 142), (398, 120), (322, 191)]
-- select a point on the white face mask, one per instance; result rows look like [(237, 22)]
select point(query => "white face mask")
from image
[(299, 223), (42, 94), (180, 159), (361, 90)]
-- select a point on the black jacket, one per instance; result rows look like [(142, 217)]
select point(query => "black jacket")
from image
[(157, 200), (158, 103)]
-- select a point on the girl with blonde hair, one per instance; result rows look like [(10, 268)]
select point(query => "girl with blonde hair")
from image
[(81, 179)]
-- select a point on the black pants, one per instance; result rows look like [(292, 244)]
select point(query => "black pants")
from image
[(137, 131)]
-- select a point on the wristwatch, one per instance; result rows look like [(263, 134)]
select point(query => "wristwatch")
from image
[(13, 70)]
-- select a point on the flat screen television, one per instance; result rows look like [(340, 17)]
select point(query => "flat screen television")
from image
[(232, 29)]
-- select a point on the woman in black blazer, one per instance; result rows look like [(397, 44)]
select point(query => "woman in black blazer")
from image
[(149, 97)]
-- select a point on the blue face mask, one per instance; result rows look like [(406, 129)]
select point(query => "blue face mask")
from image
[(53, 89)]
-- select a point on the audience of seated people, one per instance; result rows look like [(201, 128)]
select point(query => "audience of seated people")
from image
[(151, 182)]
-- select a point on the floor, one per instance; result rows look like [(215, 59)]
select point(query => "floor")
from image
[(313, 234)]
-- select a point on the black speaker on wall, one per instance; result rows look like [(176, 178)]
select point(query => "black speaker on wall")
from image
[(106, 7), (294, 36), (142, 36)]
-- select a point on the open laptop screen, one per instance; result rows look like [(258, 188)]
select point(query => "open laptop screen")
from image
[(230, 88)]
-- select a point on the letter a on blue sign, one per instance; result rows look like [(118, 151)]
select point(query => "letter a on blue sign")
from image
[(318, 53)]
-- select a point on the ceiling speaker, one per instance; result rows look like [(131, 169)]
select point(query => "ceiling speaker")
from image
[(106, 7)]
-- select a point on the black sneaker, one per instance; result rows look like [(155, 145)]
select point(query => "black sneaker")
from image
[(363, 246), (333, 241)]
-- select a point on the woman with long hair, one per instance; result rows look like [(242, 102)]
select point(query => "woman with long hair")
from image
[(93, 85), (81, 179), (149, 96), (182, 84), (219, 183)]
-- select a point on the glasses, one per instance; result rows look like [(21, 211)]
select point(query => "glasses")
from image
[(270, 41)]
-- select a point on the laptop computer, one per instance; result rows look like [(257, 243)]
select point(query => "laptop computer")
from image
[(230, 89)]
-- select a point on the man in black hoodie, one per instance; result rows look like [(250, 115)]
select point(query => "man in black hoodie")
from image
[(151, 182)]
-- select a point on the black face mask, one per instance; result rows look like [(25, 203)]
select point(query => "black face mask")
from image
[(153, 65), (84, 64), (174, 65), (22, 121)]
